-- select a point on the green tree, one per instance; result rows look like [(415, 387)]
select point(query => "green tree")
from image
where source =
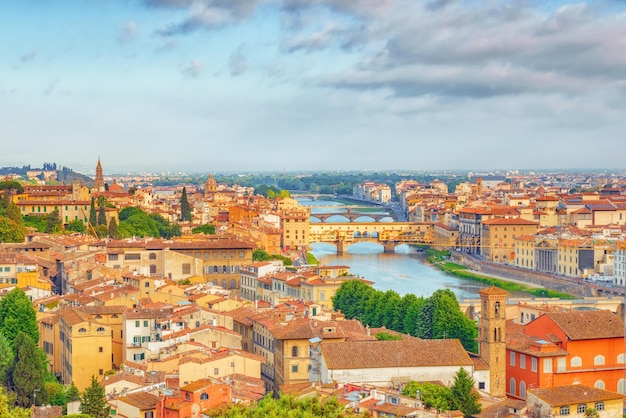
[(25, 375), (53, 222), (93, 214), (6, 356), (260, 255), (351, 298), (93, 401), (76, 226), (207, 229), (432, 395), (13, 212), (8, 412), (17, 314), (284, 194), (166, 229), (385, 336), (185, 207), (464, 397), (10, 231), (129, 211), (113, 232), (102, 214)]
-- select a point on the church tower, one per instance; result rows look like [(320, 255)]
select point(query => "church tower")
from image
[(210, 186), (99, 180), (492, 337)]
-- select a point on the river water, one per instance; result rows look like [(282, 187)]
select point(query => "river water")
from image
[(405, 271)]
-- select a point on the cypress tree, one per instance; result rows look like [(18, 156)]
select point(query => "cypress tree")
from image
[(113, 232), (185, 207), (93, 402), (53, 223), (102, 216), (93, 220), (26, 373)]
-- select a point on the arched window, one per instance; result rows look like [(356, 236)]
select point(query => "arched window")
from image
[(620, 358), (114, 316), (233, 284), (598, 360), (204, 396), (621, 386), (294, 351), (98, 316), (599, 384), (100, 329), (512, 386), (82, 330), (522, 389), (496, 308), (153, 268), (152, 256), (576, 361)]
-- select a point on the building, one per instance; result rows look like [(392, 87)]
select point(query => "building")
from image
[(492, 338), (574, 400), (498, 237)]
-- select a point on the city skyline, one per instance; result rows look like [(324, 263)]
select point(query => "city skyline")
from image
[(272, 85)]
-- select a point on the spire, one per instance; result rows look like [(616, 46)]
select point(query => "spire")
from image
[(99, 180)]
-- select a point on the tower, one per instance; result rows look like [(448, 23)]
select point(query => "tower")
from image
[(210, 186), (99, 180), (492, 337)]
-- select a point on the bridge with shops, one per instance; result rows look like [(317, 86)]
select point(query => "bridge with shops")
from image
[(351, 213), (388, 234)]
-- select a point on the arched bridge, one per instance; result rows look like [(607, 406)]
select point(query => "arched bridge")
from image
[(389, 234), (352, 215)]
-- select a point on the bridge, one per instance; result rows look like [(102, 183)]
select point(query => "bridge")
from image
[(351, 214), (312, 196), (389, 234)]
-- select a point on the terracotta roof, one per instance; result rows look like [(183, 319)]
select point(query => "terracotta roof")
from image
[(573, 394), (197, 385), (141, 400), (398, 353), (586, 325), (509, 221)]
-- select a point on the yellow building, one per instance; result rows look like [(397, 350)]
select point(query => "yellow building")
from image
[(574, 400), (525, 251), (498, 237), (294, 223), (219, 364), (86, 347)]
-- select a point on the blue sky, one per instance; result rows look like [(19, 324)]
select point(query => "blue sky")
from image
[(247, 85)]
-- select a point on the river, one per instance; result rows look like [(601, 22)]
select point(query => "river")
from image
[(404, 271)]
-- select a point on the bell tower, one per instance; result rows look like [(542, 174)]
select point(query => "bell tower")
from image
[(492, 337), (99, 180)]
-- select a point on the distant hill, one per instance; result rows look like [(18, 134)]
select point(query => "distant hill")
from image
[(65, 175)]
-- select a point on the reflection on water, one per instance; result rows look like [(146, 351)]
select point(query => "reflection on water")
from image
[(404, 271)]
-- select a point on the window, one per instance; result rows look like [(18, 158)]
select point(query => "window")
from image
[(533, 364), (186, 268), (294, 368), (139, 356), (620, 358), (216, 371), (100, 329), (522, 361), (294, 351), (204, 396), (113, 257), (512, 358), (100, 349), (564, 410), (560, 365), (137, 324), (599, 384), (100, 372), (576, 361), (145, 323), (547, 365), (581, 408), (132, 256), (599, 406), (82, 330), (512, 386), (522, 390), (598, 360), (481, 385)]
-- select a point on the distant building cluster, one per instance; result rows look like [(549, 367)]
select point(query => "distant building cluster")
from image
[(372, 192)]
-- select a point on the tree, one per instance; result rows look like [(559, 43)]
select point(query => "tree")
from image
[(432, 395), (8, 412), (113, 232), (76, 226), (464, 397), (207, 229), (129, 211), (10, 231), (18, 314), (53, 222), (93, 215), (93, 401), (6, 356), (260, 255), (13, 212), (185, 207), (25, 375), (102, 214), (351, 298), (385, 336)]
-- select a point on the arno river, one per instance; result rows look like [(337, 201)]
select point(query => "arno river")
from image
[(404, 271)]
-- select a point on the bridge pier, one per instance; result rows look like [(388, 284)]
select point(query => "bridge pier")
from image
[(341, 247), (390, 247)]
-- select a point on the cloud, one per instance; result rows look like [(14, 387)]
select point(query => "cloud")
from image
[(29, 56), (237, 62), (128, 32), (194, 69)]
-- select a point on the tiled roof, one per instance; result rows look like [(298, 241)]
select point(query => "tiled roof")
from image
[(509, 221), (586, 325), (141, 400), (398, 353), (573, 394), (197, 385)]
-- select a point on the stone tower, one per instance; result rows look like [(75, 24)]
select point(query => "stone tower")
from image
[(210, 186), (492, 337), (99, 180)]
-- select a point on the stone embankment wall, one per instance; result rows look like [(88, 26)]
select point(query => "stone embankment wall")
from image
[(573, 286)]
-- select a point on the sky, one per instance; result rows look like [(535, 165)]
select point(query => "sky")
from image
[(273, 85)]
